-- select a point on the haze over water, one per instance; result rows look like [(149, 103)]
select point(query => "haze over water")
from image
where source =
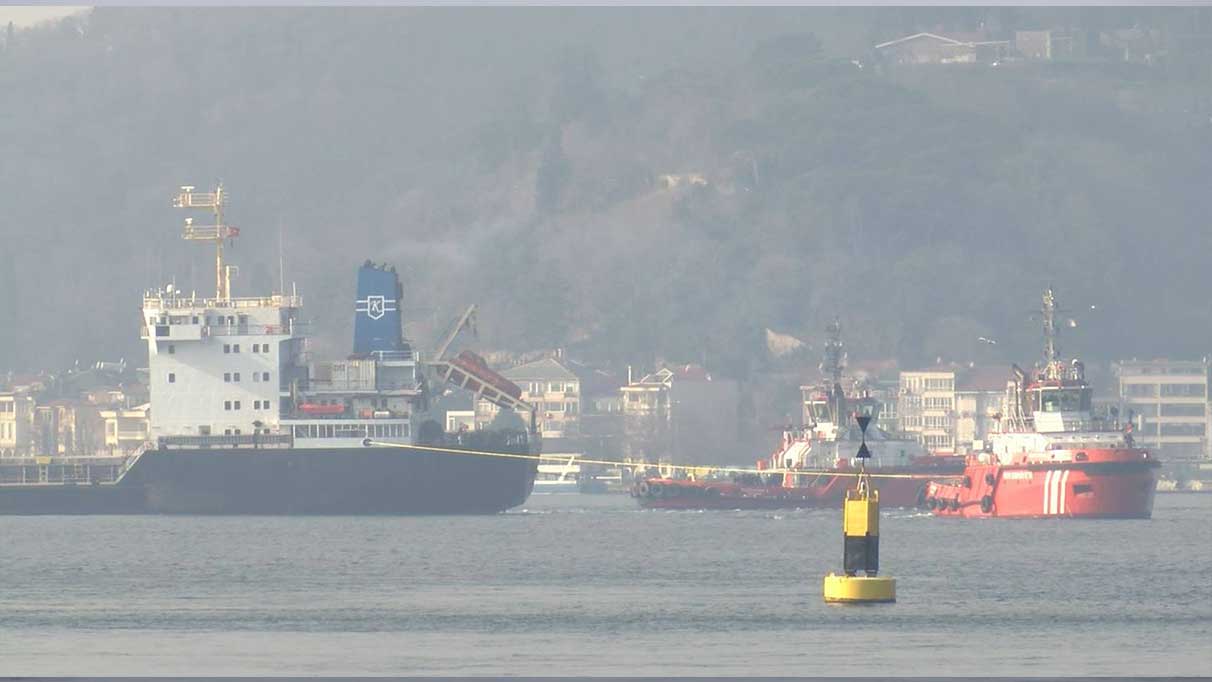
[(591, 585)]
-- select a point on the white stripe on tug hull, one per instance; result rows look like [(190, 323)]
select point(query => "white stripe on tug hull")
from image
[(1056, 484)]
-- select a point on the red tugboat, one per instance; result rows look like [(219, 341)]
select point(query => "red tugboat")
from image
[(801, 471), (1052, 458)]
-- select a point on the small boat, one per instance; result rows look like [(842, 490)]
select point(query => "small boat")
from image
[(558, 473)]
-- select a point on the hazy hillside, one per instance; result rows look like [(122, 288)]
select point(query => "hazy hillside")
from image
[(514, 158)]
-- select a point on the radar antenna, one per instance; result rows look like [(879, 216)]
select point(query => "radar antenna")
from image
[(188, 198)]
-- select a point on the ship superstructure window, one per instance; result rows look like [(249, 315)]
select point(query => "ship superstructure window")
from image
[(236, 377), (227, 348), (235, 405), (264, 376), (235, 348), (227, 377), (172, 378), (256, 348), (227, 405)]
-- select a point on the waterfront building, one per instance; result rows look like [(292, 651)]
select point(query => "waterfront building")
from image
[(1167, 401)]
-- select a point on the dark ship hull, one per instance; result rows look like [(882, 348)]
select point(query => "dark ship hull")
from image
[(71, 498), (369, 480)]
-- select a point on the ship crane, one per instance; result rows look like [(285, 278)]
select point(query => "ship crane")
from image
[(469, 371), (468, 320)]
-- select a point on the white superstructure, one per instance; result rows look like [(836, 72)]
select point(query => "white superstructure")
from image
[(220, 366), (228, 371)]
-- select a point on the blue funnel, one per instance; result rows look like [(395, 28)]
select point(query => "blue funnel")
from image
[(377, 311)]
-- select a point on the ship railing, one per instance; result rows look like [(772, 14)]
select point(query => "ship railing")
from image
[(252, 440), (254, 329), (61, 471), (393, 355), (173, 302)]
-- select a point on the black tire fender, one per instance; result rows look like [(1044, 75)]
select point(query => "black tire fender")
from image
[(987, 504)]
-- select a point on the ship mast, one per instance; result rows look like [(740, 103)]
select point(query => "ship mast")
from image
[(1052, 369), (834, 363), (188, 198), (834, 351)]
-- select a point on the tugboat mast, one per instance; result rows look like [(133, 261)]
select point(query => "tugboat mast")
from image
[(188, 198), (1052, 366)]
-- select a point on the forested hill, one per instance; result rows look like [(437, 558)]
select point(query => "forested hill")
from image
[(520, 159)]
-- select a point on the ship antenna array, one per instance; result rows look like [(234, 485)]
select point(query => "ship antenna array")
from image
[(834, 351), (1050, 350), (216, 233)]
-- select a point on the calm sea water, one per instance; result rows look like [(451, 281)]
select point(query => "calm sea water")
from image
[(591, 585)]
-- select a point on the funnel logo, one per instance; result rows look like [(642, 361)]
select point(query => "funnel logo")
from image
[(375, 307)]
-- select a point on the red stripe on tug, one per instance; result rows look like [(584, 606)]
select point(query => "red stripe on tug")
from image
[(1052, 457), (1092, 483)]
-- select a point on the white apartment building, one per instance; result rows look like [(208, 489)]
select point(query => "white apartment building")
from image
[(926, 406), (1168, 399)]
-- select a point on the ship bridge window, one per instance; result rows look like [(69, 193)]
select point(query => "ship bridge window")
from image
[(820, 412), (172, 378), (1064, 400)]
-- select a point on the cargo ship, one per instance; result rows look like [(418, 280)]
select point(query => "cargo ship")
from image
[(815, 465), (242, 423), (1052, 457)]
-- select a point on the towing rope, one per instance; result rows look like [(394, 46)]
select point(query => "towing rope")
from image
[(646, 465)]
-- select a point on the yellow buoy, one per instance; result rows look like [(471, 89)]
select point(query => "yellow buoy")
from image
[(857, 589), (860, 543)]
